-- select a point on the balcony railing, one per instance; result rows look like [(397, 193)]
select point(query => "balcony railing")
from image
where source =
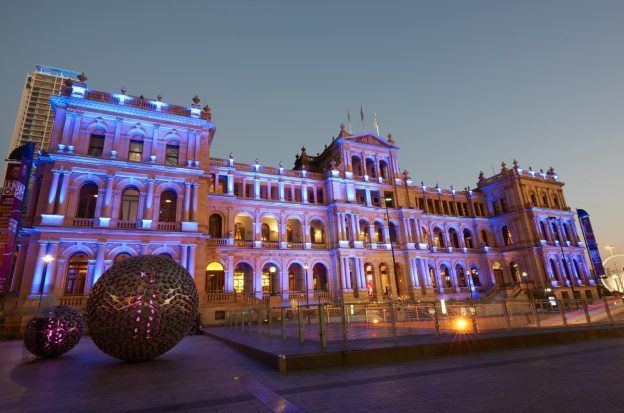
[(295, 245), (167, 226), (76, 301), (217, 296), (217, 241), (319, 247), (270, 244), (84, 222), (127, 224), (243, 244)]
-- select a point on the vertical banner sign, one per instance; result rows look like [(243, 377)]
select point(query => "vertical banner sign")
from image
[(590, 240), (13, 192)]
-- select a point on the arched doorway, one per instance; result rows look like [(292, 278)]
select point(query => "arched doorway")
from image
[(474, 274), (76, 274), (499, 278), (319, 277), (401, 282), (215, 277), (446, 276), (432, 278), (87, 200), (369, 271), (515, 272), (243, 278), (215, 226), (271, 279), (296, 278), (461, 276)]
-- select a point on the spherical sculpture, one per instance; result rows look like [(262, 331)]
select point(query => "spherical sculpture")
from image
[(141, 308), (55, 333)]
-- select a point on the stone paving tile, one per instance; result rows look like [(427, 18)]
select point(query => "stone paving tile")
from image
[(199, 376)]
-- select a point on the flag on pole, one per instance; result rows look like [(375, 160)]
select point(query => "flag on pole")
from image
[(376, 124), (349, 119), (362, 116)]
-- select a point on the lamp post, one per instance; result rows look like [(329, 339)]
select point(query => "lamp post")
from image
[(387, 200), (525, 277), (47, 259), (471, 286), (305, 267), (565, 262), (272, 270)]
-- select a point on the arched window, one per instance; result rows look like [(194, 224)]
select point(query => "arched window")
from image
[(356, 165), (543, 230), (96, 144), (76, 274), (432, 278), (567, 232), (468, 238), (172, 154), (515, 271), (121, 257), (129, 205), (461, 276), (289, 233), (266, 232), (438, 238), (370, 168), (215, 226), (533, 199), (454, 238), (393, 233), (215, 277), (484, 238), (474, 274), (507, 239), (379, 233), (446, 276), (168, 206), (239, 231), (383, 169), (544, 200), (554, 269), (319, 277), (87, 200), (555, 201), (135, 149)]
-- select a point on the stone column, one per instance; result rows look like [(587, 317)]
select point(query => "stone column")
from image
[(99, 267), (155, 143), (229, 274), (76, 129), (38, 273), (50, 275), (53, 190), (149, 200), (197, 148), (256, 188), (195, 200), (187, 200), (66, 127), (280, 188), (354, 234), (113, 148), (184, 255), (191, 260), (62, 203), (108, 196)]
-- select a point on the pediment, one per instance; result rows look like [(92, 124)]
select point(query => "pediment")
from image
[(370, 139)]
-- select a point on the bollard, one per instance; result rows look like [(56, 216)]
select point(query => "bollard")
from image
[(562, 311), (436, 322), (393, 328), (586, 310), (283, 322), (301, 325), (322, 326), (475, 322), (537, 319), (343, 320), (270, 320), (608, 311), (507, 319)]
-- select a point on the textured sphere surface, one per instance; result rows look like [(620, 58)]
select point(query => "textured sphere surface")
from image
[(141, 308), (54, 333)]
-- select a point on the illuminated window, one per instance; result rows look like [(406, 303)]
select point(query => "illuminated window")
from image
[(96, 145), (239, 281), (172, 153), (168, 206), (87, 200), (129, 205), (135, 151), (76, 274)]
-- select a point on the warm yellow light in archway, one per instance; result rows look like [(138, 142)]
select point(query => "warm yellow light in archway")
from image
[(214, 266), (461, 324)]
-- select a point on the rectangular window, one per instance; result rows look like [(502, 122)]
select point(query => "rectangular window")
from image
[(135, 152), (96, 145), (360, 196), (430, 206), (445, 208), (503, 202), (172, 154), (389, 199)]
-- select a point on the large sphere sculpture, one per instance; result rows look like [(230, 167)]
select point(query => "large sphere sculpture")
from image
[(141, 308), (54, 333)]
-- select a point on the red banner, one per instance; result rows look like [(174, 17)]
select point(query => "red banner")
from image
[(13, 192)]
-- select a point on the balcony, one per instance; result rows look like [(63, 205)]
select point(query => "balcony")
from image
[(319, 247), (83, 222), (127, 224), (294, 245), (167, 226), (243, 244), (217, 241), (273, 245), (78, 302)]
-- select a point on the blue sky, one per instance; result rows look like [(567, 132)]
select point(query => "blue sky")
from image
[(462, 85)]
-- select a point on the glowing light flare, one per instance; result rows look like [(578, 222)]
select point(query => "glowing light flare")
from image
[(461, 324)]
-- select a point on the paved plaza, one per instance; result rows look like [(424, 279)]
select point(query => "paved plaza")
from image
[(203, 375)]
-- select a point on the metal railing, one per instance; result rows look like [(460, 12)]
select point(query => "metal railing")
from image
[(345, 322)]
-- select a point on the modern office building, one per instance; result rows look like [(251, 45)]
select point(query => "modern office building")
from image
[(125, 176), (35, 117)]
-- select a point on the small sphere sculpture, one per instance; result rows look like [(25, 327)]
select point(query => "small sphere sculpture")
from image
[(141, 308), (54, 333)]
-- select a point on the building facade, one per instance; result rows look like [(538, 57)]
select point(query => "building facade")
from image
[(35, 118), (125, 176)]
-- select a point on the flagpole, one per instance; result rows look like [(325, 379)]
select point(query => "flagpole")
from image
[(376, 124), (362, 116), (349, 118)]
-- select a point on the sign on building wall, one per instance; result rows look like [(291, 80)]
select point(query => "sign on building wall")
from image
[(11, 200), (590, 240)]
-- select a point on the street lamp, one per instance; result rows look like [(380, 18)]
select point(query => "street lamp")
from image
[(47, 259), (305, 267), (525, 276), (387, 200), (272, 271)]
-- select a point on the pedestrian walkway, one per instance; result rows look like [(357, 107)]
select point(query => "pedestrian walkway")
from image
[(203, 375)]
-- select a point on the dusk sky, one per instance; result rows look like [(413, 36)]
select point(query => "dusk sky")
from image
[(461, 85)]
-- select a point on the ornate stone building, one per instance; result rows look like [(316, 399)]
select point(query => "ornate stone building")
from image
[(125, 175)]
